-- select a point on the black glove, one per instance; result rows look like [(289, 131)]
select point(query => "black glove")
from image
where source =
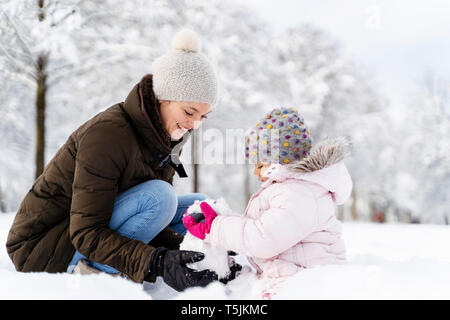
[(234, 271), (171, 265)]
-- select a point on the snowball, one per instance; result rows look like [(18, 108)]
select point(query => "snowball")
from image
[(216, 258)]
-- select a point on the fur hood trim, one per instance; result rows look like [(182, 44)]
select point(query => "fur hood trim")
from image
[(326, 153)]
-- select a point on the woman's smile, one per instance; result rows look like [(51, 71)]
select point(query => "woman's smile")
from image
[(179, 117), (182, 128)]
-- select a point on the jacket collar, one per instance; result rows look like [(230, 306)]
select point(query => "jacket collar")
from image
[(161, 153), (142, 123)]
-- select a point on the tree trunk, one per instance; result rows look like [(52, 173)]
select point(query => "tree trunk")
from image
[(196, 178), (353, 209), (247, 177), (341, 213), (41, 14), (40, 113), (2, 201), (195, 162)]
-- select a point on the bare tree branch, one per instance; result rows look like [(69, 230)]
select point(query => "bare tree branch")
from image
[(85, 68), (54, 24), (24, 44), (20, 77), (16, 63)]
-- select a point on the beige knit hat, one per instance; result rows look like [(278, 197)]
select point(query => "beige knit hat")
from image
[(184, 74)]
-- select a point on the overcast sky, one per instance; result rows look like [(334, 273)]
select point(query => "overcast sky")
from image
[(395, 40)]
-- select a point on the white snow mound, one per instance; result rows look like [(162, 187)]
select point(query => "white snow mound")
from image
[(385, 261)]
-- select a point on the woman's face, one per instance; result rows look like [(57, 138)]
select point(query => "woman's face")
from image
[(260, 168), (179, 116)]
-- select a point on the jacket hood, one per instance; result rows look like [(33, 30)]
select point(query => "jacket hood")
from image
[(323, 166)]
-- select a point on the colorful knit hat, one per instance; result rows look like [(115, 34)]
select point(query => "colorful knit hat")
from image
[(280, 137)]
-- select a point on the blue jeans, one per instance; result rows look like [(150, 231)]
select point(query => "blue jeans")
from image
[(142, 212)]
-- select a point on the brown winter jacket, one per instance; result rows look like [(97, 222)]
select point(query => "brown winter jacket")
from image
[(69, 206)]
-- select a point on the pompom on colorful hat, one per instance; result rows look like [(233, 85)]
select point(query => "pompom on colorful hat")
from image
[(280, 137)]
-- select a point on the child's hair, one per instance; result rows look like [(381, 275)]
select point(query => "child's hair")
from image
[(280, 137)]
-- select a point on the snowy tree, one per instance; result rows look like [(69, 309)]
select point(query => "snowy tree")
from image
[(236, 42), (62, 62), (337, 99), (27, 43), (422, 168), (60, 49), (77, 58), (16, 147)]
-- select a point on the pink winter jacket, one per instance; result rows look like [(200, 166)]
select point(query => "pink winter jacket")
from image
[(290, 223)]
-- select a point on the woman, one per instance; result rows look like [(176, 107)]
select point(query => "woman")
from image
[(105, 201)]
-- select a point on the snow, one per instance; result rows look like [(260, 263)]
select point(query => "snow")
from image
[(216, 258), (385, 261)]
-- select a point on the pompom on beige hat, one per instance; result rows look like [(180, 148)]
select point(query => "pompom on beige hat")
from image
[(184, 73)]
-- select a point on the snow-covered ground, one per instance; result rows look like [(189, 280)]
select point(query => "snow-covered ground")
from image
[(386, 261)]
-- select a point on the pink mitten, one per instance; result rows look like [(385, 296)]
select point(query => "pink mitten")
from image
[(198, 227)]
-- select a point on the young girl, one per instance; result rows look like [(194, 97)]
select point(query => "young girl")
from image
[(290, 223)]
